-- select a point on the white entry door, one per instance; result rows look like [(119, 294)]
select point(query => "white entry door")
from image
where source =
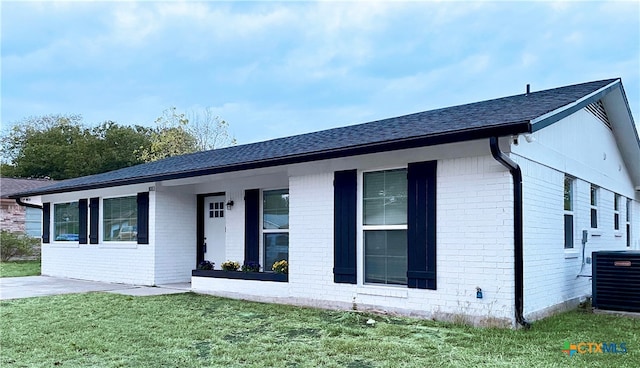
[(214, 229)]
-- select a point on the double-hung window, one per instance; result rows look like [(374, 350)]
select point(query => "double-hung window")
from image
[(66, 221), (616, 211), (594, 206), (120, 219), (275, 226), (568, 211), (384, 224)]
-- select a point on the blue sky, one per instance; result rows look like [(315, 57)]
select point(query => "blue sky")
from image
[(275, 69)]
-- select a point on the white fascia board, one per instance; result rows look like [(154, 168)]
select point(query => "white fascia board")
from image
[(551, 117)]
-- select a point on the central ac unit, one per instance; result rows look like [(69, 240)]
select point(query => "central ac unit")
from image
[(616, 280)]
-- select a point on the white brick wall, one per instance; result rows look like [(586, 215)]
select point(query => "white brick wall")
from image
[(128, 263), (550, 270), (175, 234), (93, 262), (475, 237), (581, 146)]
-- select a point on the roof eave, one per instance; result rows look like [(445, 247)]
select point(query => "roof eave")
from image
[(556, 115), (385, 146)]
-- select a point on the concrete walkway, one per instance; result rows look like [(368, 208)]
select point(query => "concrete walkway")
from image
[(33, 286)]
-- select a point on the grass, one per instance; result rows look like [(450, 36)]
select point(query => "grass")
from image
[(19, 268), (191, 330)]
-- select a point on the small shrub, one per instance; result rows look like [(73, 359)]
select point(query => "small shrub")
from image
[(16, 245), (230, 266), (251, 266), (206, 265), (280, 267)]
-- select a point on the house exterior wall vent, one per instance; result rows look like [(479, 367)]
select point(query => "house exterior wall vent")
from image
[(597, 109)]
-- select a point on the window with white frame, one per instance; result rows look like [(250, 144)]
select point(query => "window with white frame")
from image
[(595, 194), (120, 219), (628, 221), (384, 224), (616, 211), (568, 211), (66, 221), (275, 226)]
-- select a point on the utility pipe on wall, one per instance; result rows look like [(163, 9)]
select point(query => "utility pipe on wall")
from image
[(518, 240)]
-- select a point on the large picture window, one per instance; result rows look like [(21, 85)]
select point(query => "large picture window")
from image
[(275, 226), (66, 223), (120, 219), (384, 223)]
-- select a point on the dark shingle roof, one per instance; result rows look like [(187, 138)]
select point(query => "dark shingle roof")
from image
[(498, 117), (10, 186)]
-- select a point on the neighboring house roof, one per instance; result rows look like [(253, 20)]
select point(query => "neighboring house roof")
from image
[(499, 117), (10, 186)]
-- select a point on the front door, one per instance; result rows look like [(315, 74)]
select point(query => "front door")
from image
[(214, 229)]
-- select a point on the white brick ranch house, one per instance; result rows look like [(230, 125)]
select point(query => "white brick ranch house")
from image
[(412, 214)]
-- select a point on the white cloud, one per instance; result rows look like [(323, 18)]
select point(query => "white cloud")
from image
[(303, 66), (132, 25)]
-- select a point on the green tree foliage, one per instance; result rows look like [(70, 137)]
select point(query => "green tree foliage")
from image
[(120, 146), (61, 147), (46, 146), (7, 170), (175, 134), (170, 138)]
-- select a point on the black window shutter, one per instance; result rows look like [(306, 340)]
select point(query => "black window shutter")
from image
[(345, 189), (421, 226), (46, 222), (94, 205), (252, 225), (82, 221), (143, 218)]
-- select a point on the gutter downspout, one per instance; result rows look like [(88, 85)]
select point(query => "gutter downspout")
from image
[(25, 204), (518, 242)]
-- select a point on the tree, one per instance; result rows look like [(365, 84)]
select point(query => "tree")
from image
[(120, 146), (7, 170), (175, 134), (170, 138), (14, 141), (50, 146), (61, 147), (209, 130)]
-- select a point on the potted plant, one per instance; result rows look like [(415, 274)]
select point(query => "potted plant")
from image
[(281, 266), (251, 266), (251, 271), (230, 266), (206, 265)]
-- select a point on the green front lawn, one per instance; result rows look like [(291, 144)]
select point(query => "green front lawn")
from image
[(191, 330), (19, 268)]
